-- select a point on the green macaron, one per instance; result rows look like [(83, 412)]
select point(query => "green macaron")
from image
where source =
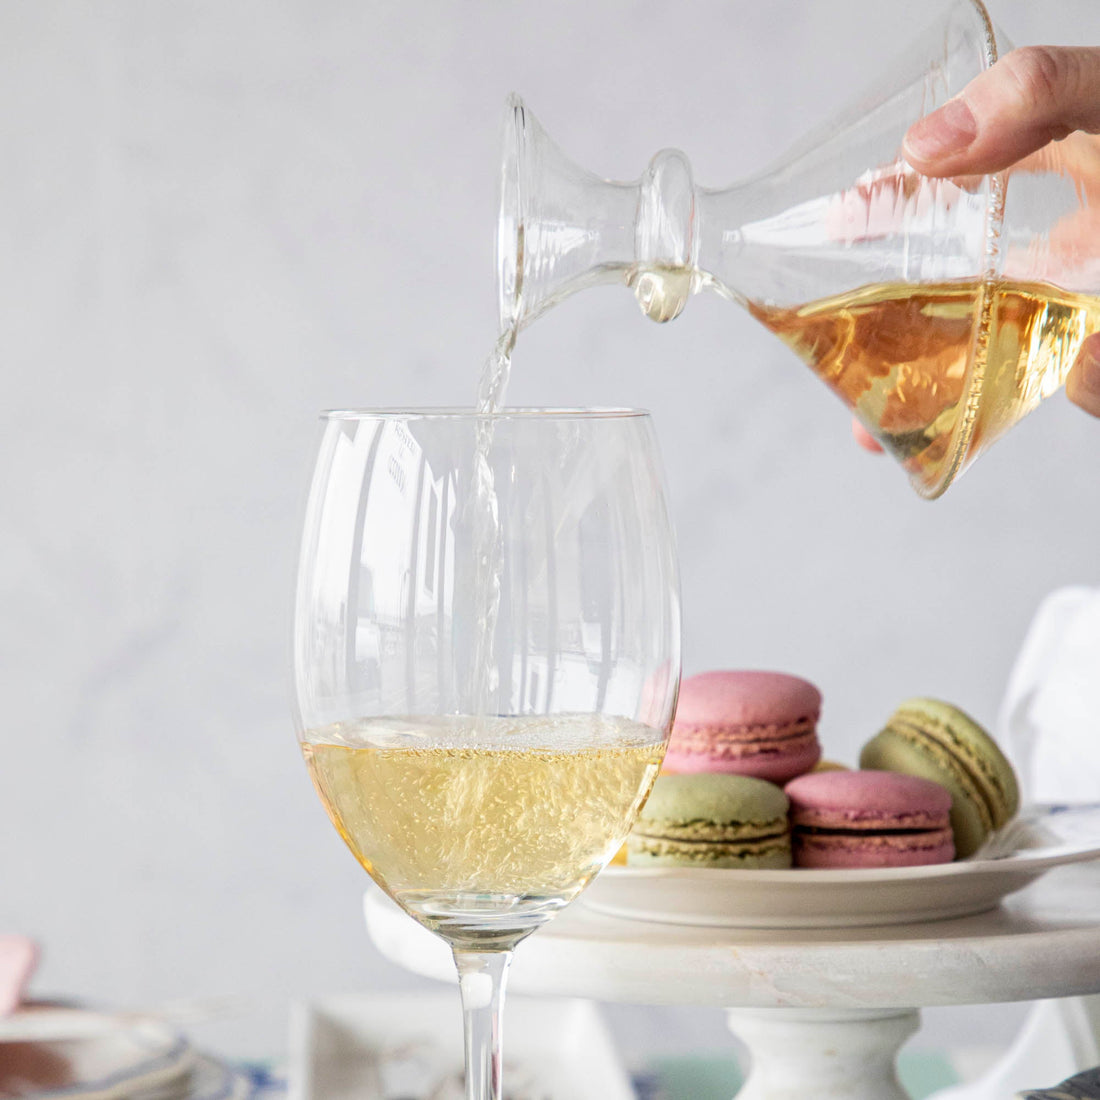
[(934, 740), (711, 820)]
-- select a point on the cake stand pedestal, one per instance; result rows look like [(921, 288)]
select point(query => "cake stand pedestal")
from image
[(844, 1054), (822, 1011)]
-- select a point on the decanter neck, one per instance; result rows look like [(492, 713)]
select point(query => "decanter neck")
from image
[(666, 242)]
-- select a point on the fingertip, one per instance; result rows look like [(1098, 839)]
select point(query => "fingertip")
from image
[(865, 439), (1083, 383)]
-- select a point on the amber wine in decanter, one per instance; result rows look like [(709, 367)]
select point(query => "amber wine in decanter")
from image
[(901, 357)]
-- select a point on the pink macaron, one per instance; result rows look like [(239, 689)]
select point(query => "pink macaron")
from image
[(761, 724), (869, 819)]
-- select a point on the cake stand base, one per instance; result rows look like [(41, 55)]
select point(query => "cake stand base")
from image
[(831, 1054)]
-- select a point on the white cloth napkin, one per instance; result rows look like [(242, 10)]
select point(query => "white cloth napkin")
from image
[(1049, 725), (1050, 719)]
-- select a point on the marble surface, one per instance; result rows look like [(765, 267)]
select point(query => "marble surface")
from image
[(1043, 942), (219, 216)]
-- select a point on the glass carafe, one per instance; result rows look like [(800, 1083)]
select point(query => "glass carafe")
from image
[(940, 311)]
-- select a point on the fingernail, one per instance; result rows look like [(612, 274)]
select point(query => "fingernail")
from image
[(949, 130)]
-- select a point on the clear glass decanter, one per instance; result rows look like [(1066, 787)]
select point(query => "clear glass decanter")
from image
[(940, 311)]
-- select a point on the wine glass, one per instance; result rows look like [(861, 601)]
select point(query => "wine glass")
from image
[(486, 662)]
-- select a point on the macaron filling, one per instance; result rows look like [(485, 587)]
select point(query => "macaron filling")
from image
[(741, 741), (711, 831), (1000, 801), (757, 732), (954, 764), (881, 839), (767, 752), (815, 848), (706, 841), (869, 821), (773, 851)]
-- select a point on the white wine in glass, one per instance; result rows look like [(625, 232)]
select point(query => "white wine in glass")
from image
[(486, 660)]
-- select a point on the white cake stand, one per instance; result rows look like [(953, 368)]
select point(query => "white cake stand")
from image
[(822, 1011)]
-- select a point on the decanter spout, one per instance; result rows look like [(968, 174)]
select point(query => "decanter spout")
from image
[(562, 229)]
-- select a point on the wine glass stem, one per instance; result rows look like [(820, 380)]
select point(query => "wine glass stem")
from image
[(481, 976)]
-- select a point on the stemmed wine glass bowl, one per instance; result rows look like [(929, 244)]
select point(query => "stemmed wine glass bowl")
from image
[(486, 661)]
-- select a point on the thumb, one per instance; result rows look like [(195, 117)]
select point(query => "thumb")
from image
[(1083, 383), (1030, 97)]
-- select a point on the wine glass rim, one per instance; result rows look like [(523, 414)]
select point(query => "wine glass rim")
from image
[(467, 413)]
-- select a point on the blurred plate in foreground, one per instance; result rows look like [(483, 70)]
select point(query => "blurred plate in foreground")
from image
[(52, 1053)]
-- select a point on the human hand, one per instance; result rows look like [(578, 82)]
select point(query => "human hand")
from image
[(1036, 108)]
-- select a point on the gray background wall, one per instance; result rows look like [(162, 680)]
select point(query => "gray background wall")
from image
[(219, 217)]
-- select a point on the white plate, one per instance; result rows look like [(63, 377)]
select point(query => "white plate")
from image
[(1041, 838), (382, 1047), (51, 1053)]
